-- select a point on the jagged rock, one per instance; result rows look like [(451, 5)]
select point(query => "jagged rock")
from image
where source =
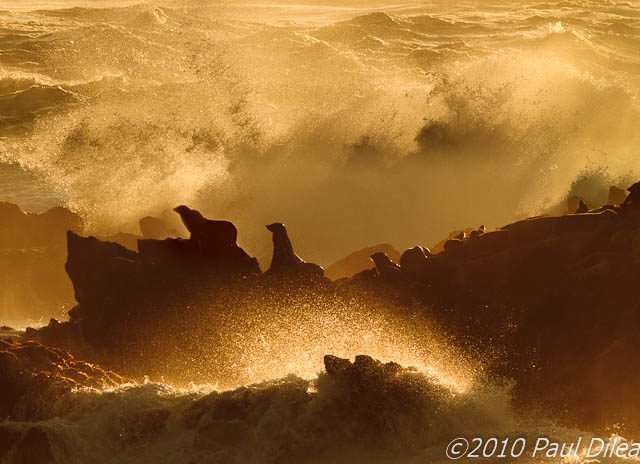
[(359, 261), (129, 241), (31, 374)]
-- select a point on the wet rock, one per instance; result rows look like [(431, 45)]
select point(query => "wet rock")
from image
[(32, 375)]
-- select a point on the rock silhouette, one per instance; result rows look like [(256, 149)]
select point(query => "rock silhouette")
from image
[(33, 373), (547, 303)]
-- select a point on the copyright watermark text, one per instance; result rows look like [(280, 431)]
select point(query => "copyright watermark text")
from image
[(542, 447)]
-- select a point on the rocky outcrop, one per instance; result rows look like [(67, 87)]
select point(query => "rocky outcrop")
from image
[(32, 376), (544, 302)]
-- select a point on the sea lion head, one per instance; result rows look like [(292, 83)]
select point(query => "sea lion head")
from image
[(276, 227), (380, 258), (182, 210)]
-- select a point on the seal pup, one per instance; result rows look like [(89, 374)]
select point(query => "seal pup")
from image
[(208, 234), (285, 260)]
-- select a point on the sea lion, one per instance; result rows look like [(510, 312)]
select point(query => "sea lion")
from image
[(478, 231), (284, 259), (582, 207), (210, 235), (413, 262), (386, 268), (461, 236)]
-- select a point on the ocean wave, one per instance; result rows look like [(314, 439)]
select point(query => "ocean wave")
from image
[(360, 412)]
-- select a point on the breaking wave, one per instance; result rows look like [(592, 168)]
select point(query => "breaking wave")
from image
[(376, 413)]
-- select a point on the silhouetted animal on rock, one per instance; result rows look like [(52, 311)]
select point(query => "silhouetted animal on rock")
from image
[(212, 237), (413, 262), (386, 268), (582, 207), (285, 260), (478, 231)]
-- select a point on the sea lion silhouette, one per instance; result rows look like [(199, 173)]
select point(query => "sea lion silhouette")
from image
[(386, 268), (284, 259), (208, 234), (414, 261), (582, 207)]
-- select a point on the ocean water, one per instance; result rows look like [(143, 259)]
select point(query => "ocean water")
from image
[(408, 419), (342, 120)]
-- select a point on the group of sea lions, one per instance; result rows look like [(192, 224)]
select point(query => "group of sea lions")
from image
[(213, 238)]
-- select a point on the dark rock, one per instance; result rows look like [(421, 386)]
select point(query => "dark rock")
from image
[(34, 447), (31, 374), (453, 246)]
